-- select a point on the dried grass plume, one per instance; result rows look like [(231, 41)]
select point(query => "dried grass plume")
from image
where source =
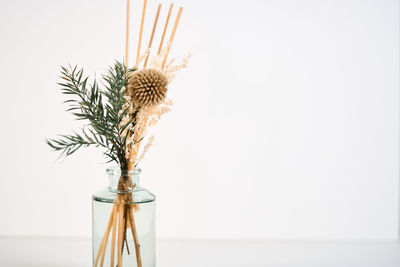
[(147, 87)]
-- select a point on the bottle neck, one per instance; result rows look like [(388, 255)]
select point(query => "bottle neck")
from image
[(122, 181)]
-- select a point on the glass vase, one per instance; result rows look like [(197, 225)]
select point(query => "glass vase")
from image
[(123, 222)]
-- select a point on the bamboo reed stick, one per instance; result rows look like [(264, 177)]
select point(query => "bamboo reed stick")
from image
[(135, 237), (128, 8), (124, 230), (172, 37), (115, 215), (103, 242), (140, 34), (165, 29), (120, 235), (152, 35), (106, 240)]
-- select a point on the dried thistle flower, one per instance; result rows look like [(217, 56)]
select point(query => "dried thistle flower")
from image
[(147, 87)]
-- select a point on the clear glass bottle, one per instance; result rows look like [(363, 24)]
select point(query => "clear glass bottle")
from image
[(115, 209)]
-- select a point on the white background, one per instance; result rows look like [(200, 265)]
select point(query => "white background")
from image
[(285, 124)]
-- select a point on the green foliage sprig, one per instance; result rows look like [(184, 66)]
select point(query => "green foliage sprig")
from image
[(102, 109)]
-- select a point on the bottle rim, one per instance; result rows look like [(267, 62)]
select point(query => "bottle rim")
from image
[(116, 170)]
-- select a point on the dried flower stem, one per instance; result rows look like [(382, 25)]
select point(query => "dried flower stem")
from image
[(142, 130), (135, 150), (146, 148)]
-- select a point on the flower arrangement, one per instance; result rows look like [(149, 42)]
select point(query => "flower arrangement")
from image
[(118, 117)]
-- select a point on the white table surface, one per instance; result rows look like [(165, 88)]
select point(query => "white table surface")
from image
[(76, 252)]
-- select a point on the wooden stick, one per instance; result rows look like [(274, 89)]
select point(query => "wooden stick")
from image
[(103, 243), (140, 35), (172, 37), (115, 215), (120, 234), (152, 35), (135, 237), (105, 236), (128, 5), (165, 29), (106, 240), (104, 251), (125, 241)]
